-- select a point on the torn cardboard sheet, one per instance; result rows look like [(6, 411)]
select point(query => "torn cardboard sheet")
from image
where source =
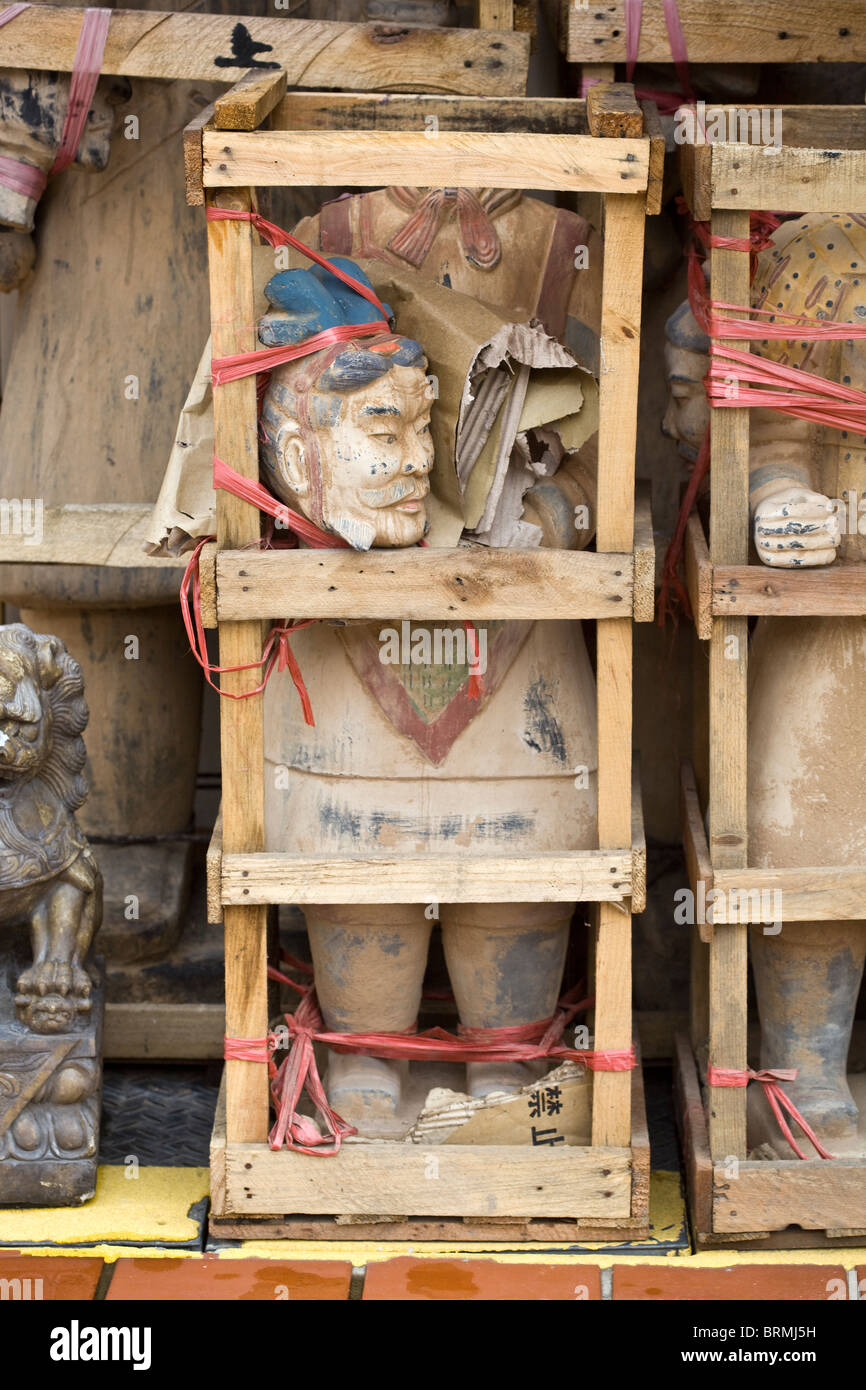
[(553, 1111), (505, 393)]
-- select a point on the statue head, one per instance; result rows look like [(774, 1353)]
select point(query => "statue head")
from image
[(687, 362), (346, 430)]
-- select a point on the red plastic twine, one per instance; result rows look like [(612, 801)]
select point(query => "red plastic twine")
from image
[(299, 1072), (25, 178), (769, 1080)]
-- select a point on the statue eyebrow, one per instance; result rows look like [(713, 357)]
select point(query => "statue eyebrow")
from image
[(380, 410)]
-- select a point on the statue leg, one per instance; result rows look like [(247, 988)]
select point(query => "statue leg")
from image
[(369, 963), (807, 979), (505, 961)]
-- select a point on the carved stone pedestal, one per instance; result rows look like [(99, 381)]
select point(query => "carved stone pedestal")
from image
[(50, 1095)]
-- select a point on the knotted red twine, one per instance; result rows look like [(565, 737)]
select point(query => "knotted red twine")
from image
[(779, 1100), (771, 386), (26, 178), (299, 1073), (277, 652)]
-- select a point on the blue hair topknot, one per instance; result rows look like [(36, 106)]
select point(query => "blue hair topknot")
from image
[(306, 302)]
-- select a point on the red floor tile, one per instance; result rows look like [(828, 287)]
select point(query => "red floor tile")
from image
[(411, 1279), (48, 1277), (739, 1282), (209, 1278)]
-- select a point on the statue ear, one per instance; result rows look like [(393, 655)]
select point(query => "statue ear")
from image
[(293, 459), (48, 653)]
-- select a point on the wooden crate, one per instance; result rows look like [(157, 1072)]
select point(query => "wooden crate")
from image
[(368, 142), (820, 166), (729, 31)]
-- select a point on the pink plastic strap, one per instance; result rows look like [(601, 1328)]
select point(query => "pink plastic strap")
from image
[(677, 41), (22, 178), (633, 19), (85, 75), (779, 1100), (11, 11)]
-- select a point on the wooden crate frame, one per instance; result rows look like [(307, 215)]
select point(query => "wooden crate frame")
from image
[(821, 164), (733, 31), (368, 142)]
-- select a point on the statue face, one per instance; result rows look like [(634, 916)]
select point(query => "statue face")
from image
[(24, 725), (688, 411), (375, 461)]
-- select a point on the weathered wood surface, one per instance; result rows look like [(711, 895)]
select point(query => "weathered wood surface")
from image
[(313, 53), (249, 101), (612, 111), (395, 111), (733, 31), (176, 1032), (699, 577), (579, 875), (644, 557), (460, 159), (838, 591), (697, 854), (423, 584)]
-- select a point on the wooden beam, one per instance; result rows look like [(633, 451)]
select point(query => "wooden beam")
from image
[(729, 544), (394, 111), (578, 875), (699, 577), (465, 159), (644, 556), (249, 101), (487, 1180), (802, 180), (822, 894), (837, 591), (653, 129), (698, 866), (164, 1032), (638, 843), (241, 729), (813, 1195), (313, 53), (494, 14), (738, 31), (612, 111), (423, 584)]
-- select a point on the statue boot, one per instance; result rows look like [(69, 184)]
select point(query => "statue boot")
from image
[(505, 961), (807, 979)]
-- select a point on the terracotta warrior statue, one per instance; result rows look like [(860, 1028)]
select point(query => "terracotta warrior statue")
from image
[(51, 889), (401, 758), (807, 676)]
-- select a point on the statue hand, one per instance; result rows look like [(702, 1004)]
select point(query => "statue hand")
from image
[(796, 528)]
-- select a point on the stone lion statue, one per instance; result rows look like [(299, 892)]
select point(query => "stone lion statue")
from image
[(49, 878)]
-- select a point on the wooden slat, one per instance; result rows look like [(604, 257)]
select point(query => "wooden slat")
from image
[(838, 591), (164, 1032), (313, 53), (494, 14), (734, 31), (620, 347), (644, 557), (638, 843), (653, 129), (692, 1125), (698, 865), (744, 177), (214, 868), (392, 111), (581, 875), (374, 1178), (612, 111), (249, 101), (241, 728), (424, 584), (193, 168), (468, 159), (699, 577), (729, 541), (812, 1194), (822, 894)]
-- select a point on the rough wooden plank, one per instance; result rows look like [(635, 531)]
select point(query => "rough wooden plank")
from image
[(214, 868), (729, 542), (424, 584), (241, 731), (804, 180), (249, 101), (164, 1032), (582, 875), (107, 534), (463, 159), (813, 1194), (697, 854), (653, 129), (699, 577), (494, 14), (838, 591), (695, 174), (738, 31), (218, 1153), (192, 156), (313, 53), (692, 1125), (644, 557), (565, 1231), (377, 1178), (612, 110), (393, 111), (820, 894)]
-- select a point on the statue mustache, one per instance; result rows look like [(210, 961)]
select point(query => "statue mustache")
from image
[(401, 490)]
